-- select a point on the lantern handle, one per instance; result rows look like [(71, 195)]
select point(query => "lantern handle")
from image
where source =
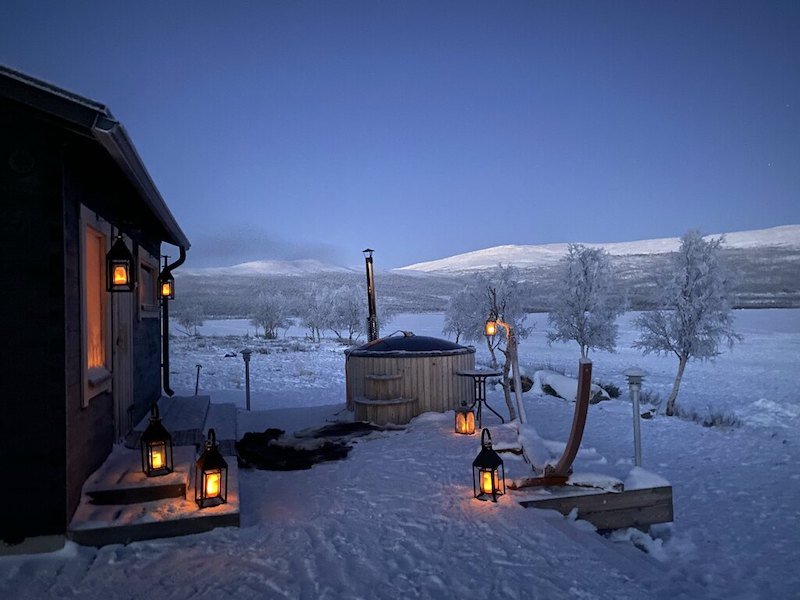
[(212, 438), (484, 434), (154, 414)]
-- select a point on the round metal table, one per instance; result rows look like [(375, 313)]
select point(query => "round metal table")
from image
[(479, 378)]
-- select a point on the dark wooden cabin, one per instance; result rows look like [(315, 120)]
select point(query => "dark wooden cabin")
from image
[(80, 365)]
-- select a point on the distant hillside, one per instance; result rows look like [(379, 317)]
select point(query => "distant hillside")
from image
[(530, 256), (764, 267)]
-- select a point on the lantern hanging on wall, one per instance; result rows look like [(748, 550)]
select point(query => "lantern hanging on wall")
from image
[(156, 445), (166, 285), (488, 474), (211, 475), (120, 274), (465, 420)]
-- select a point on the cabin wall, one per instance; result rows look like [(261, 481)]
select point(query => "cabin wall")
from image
[(32, 427), (91, 179)]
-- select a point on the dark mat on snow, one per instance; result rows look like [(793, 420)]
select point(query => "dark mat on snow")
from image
[(267, 451), (261, 451)]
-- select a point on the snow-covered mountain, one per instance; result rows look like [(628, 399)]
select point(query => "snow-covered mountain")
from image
[(787, 236), (301, 267)]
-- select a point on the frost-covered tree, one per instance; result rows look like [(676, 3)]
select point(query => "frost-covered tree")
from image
[(271, 312), (696, 315), (314, 311), (500, 292), (348, 313), (586, 305), (190, 317)]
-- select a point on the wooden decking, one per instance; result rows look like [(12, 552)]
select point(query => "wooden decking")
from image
[(120, 504), (609, 510)]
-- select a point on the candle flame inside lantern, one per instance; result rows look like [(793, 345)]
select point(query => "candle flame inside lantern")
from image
[(120, 275), (486, 482), (212, 484), (166, 289), (157, 457)]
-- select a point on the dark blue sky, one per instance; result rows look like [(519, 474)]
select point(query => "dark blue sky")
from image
[(426, 129)]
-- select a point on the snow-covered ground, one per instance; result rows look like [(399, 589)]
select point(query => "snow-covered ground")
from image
[(397, 518)]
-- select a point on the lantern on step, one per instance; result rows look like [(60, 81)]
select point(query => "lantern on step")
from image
[(465, 420), (166, 285), (156, 445), (120, 274), (488, 474), (211, 475)]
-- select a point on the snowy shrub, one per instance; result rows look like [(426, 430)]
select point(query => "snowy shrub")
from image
[(611, 389), (549, 390), (712, 418)]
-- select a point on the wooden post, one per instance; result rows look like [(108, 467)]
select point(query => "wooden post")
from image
[(579, 419)]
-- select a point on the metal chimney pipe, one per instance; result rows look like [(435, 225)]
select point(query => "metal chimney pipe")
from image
[(372, 319)]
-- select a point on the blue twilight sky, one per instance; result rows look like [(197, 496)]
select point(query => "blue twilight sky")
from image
[(290, 129)]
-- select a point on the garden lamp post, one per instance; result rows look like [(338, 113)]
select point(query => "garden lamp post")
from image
[(246, 356), (635, 377), (490, 329)]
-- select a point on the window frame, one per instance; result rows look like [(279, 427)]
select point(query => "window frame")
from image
[(95, 380), (148, 266)]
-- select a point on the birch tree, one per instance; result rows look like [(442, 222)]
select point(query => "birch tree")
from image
[(586, 303), (696, 316)]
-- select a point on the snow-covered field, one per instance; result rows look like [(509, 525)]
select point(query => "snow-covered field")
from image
[(396, 518)]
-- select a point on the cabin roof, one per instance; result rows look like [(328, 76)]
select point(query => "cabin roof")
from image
[(94, 120)]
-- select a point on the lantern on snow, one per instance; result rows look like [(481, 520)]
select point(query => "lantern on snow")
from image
[(120, 274), (211, 475), (156, 445), (166, 285), (465, 420), (488, 474)]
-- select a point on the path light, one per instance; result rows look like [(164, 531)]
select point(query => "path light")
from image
[(211, 475), (635, 377), (156, 445), (465, 420), (120, 274), (488, 474)]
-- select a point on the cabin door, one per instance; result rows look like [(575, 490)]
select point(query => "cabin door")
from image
[(123, 363)]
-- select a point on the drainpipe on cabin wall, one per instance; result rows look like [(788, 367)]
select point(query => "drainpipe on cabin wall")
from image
[(165, 329)]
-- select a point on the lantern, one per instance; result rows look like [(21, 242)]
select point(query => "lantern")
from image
[(166, 285), (211, 475), (488, 474), (120, 274), (490, 328), (465, 420), (156, 445)]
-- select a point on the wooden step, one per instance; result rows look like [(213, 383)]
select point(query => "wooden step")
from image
[(97, 524), (121, 481), (222, 418), (382, 412), (183, 416)]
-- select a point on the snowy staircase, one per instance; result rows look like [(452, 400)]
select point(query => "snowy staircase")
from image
[(120, 504)]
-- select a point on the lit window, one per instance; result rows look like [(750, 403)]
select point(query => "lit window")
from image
[(94, 266)]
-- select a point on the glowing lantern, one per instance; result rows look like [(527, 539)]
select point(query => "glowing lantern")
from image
[(166, 285), (211, 475), (488, 474), (490, 328), (156, 445), (465, 420), (120, 274)]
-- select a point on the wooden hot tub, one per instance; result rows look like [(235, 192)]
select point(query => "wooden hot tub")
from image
[(396, 378)]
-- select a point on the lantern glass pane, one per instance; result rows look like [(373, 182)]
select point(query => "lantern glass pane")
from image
[(461, 423), (120, 274), (212, 483), (158, 455), (166, 290), (489, 481), (470, 424)]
